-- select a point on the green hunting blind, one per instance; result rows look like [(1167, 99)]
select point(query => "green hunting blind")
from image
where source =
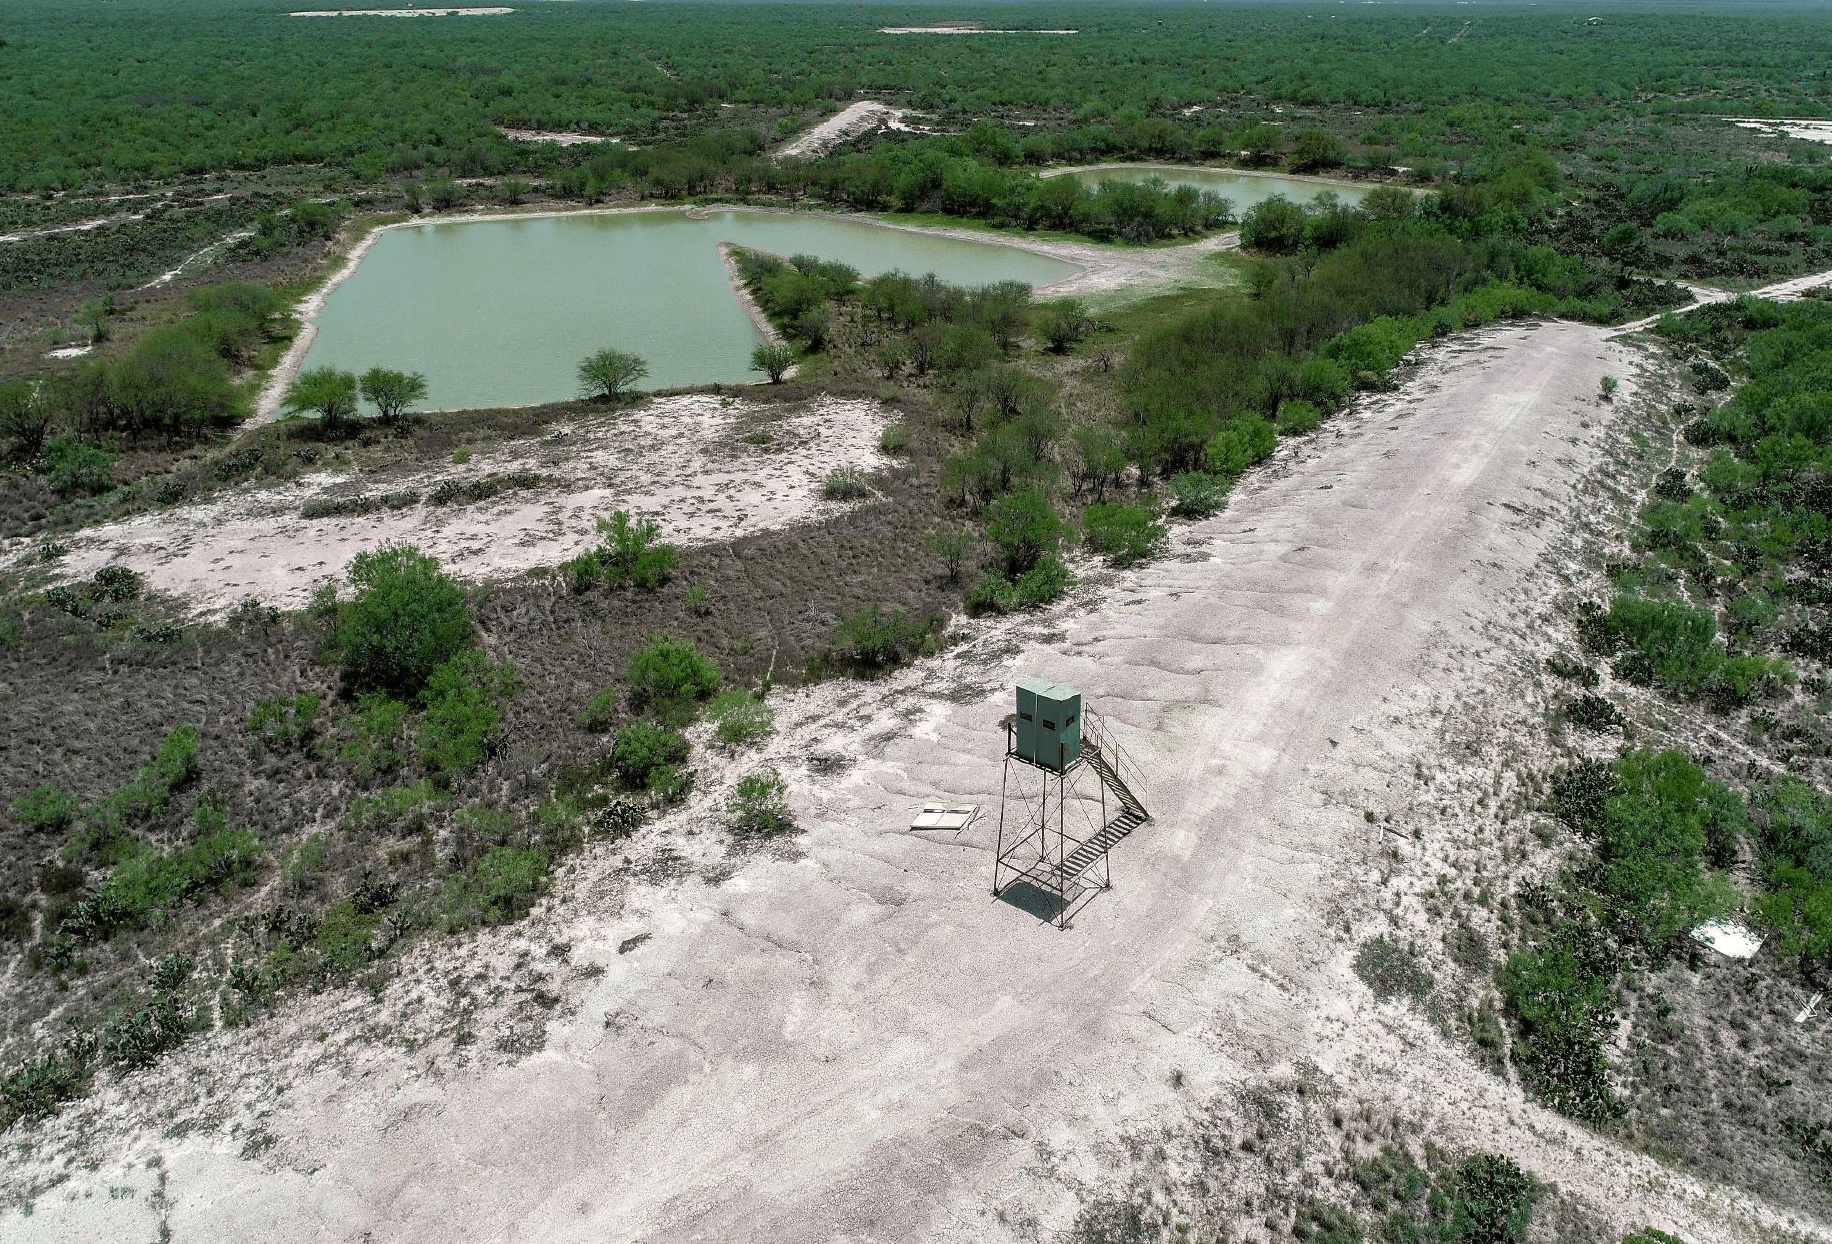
[(1048, 728)]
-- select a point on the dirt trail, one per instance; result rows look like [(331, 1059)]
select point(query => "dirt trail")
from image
[(1705, 295), (851, 1040), (843, 126)]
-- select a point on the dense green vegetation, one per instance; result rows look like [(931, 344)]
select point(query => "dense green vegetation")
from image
[(1727, 575), (433, 93)]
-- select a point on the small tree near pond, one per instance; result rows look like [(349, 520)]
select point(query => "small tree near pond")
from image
[(774, 359), (328, 392), (610, 374), (392, 392)]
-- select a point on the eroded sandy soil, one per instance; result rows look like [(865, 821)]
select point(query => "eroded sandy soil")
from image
[(679, 460), (844, 1036), (847, 124)]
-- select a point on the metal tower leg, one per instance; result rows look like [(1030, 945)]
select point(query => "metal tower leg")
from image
[(998, 850)]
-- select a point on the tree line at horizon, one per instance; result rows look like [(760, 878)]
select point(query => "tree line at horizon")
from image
[(89, 94)]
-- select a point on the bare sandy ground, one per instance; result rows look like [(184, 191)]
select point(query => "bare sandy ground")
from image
[(222, 243), (81, 226), (675, 459), (560, 137), (843, 126), (846, 1037), (1811, 129)]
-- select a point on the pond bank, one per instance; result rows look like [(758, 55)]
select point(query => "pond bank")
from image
[(1110, 268)]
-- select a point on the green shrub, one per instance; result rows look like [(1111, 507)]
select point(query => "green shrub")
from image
[(152, 881), (1679, 649), (894, 439), (1297, 416), (303, 861), (406, 620), (632, 552), (46, 807), (759, 805), (463, 722), (345, 938), (872, 639), (1025, 526), (102, 834), (1198, 494), (1041, 584), (774, 358), (1564, 1018), (1124, 534), (671, 675), (740, 717), (846, 483), (951, 545), (498, 887), (600, 711), (74, 468), (399, 808), (1795, 855), (374, 744), (1275, 224), (583, 571), (285, 721), (1062, 323), (1650, 832), (642, 748), (1241, 443)]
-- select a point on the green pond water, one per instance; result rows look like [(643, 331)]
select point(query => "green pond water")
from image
[(1242, 189), (499, 312)]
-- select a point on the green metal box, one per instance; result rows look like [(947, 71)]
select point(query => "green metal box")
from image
[(1048, 729)]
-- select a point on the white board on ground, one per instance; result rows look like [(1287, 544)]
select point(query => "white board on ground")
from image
[(948, 816), (1730, 938)]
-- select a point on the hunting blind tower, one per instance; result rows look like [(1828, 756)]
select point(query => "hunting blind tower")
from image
[(1055, 744)]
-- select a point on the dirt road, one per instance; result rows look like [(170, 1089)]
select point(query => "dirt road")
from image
[(843, 126), (848, 1038)]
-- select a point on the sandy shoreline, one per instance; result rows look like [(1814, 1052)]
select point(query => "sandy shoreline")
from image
[(759, 320)]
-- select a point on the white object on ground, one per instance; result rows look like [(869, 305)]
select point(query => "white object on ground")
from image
[(1731, 938), (951, 816), (1806, 1012), (1808, 129)]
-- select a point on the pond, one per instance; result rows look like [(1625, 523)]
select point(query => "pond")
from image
[(1243, 190), (499, 312)]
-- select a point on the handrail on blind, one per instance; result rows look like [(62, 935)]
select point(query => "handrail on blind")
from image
[(1121, 763)]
